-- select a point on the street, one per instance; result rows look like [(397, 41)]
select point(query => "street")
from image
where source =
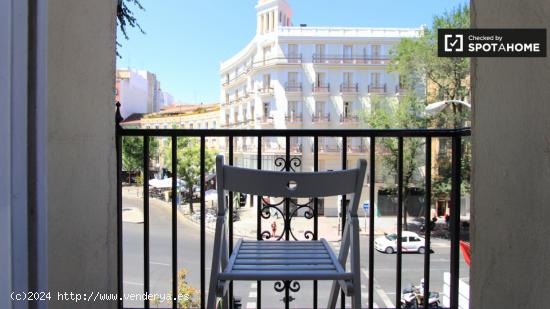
[(189, 259)]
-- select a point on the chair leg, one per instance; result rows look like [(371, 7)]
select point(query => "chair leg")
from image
[(355, 264), (333, 298), (217, 257)]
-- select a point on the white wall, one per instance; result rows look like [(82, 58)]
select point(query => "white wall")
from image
[(81, 169), (134, 94)]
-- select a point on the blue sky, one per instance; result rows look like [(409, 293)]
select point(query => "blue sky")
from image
[(185, 41)]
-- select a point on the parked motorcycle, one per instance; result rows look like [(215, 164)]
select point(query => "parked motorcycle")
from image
[(413, 297)]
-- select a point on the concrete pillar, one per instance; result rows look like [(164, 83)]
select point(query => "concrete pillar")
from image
[(511, 166), (81, 162)]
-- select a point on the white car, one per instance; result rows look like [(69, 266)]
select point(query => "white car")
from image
[(410, 242)]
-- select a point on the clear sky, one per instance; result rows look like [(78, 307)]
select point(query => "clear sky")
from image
[(186, 40)]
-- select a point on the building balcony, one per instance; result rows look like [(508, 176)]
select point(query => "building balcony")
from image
[(358, 148), (254, 218), (320, 117), (349, 118), (265, 120), (294, 59), (349, 88), (294, 118), (293, 87), (377, 88), (342, 59), (265, 91), (320, 88)]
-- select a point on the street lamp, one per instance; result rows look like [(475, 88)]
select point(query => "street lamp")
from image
[(437, 107)]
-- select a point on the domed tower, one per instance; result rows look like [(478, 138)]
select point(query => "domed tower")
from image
[(271, 14)]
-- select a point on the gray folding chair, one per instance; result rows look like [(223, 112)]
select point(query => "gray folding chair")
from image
[(253, 260)]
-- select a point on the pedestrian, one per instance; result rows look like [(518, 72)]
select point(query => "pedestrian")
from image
[(274, 228)]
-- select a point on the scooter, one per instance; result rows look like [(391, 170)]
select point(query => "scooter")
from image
[(413, 297)]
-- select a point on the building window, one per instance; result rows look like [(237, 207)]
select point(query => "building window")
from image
[(292, 51), (294, 109), (267, 81), (320, 108), (267, 109), (375, 51), (347, 109), (293, 79), (348, 79), (348, 52), (320, 79), (320, 52), (375, 79)]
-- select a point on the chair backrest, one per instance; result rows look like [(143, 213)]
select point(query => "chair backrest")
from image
[(289, 184)]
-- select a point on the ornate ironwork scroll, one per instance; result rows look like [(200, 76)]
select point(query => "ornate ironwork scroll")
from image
[(277, 210)]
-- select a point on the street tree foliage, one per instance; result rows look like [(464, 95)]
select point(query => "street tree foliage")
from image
[(188, 167), (416, 60), (125, 17), (443, 78), (132, 153), (407, 113)]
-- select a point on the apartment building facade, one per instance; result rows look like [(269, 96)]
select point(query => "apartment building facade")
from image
[(306, 77), (139, 91)]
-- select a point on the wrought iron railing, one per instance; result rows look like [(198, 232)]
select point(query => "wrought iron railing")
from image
[(377, 88), (293, 87), (287, 162), (349, 88), (320, 88), (350, 59)]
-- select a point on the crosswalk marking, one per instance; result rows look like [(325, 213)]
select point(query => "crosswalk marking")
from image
[(383, 295), (251, 305)]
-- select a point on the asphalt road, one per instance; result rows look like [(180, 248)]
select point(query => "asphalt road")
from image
[(189, 259)]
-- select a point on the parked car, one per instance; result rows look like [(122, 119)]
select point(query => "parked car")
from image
[(410, 242)]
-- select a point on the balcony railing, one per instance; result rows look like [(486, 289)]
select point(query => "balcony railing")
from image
[(293, 117), (293, 87), (266, 90), (320, 88), (286, 162), (350, 59), (294, 58), (320, 117), (349, 118), (375, 88), (349, 88)]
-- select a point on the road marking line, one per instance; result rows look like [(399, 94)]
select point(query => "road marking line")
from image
[(253, 294), (159, 263), (387, 302), (251, 305), (254, 285)]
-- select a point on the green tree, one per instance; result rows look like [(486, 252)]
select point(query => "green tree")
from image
[(416, 60), (407, 113), (188, 167), (132, 153), (443, 78)]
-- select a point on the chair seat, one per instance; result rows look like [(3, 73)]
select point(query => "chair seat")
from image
[(284, 260)]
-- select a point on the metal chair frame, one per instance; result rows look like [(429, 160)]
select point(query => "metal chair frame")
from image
[(253, 260)]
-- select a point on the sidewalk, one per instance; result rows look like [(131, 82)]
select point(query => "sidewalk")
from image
[(245, 227)]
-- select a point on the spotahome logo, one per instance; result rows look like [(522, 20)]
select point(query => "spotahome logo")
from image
[(491, 42)]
